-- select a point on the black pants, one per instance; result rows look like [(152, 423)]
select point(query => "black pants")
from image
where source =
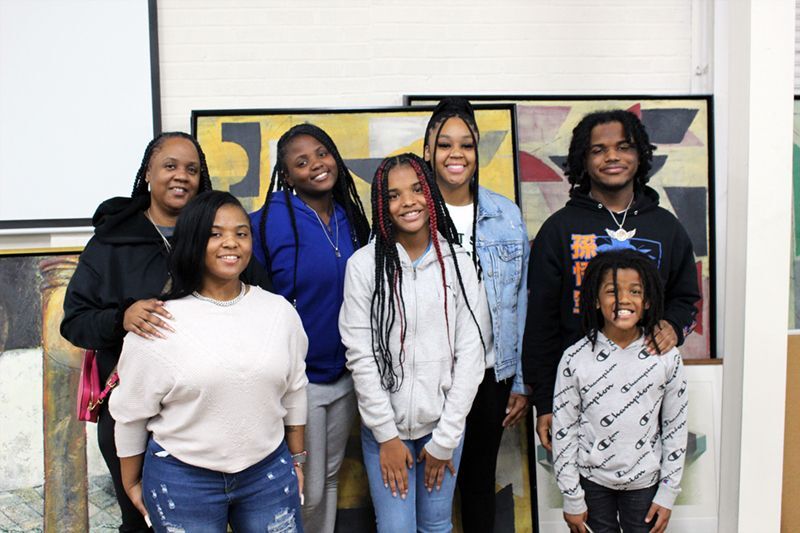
[(132, 519), (605, 504), (476, 476)]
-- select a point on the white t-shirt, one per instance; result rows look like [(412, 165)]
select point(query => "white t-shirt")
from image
[(462, 216)]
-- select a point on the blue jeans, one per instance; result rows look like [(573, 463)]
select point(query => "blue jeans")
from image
[(263, 497), (605, 504), (422, 511)]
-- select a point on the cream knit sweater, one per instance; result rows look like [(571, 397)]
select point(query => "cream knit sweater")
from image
[(218, 391)]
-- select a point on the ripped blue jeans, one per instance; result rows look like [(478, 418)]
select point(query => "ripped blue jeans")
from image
[(185, 498)]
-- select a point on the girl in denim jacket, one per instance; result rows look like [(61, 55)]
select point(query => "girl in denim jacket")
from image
[(493, 233), (411, 298)]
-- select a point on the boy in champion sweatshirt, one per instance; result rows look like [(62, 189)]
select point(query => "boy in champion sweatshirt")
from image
[(619, 412)]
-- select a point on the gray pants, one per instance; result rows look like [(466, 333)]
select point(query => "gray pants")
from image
[(331, 410)]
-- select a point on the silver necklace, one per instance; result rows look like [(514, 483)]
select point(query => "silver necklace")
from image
[(222, 303), (322, 225), (150, 218), (620, 234)]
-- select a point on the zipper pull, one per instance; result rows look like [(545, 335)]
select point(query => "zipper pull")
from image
[(415, 272)]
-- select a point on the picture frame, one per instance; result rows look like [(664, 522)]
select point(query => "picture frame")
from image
[(681, 127)]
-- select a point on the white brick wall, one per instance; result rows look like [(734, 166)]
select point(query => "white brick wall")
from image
[(314, 53)]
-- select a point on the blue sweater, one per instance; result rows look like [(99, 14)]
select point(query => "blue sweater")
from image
[(320, 277)]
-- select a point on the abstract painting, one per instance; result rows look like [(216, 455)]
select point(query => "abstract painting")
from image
[(240, 146), (681, 174)]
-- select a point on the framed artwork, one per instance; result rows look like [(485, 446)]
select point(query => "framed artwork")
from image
[(695, 508), (240, 148), (240, 145), (794, 307), (682, 173), (52, 477)]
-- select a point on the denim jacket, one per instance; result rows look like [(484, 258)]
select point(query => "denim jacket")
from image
[(503, 251)]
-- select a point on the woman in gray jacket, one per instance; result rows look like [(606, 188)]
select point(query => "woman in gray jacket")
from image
[(414, 347)]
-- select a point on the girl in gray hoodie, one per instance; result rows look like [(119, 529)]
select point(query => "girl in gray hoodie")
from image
[(414, 347)]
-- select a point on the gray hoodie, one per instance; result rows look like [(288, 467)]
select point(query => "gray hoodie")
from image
[(440, 377)]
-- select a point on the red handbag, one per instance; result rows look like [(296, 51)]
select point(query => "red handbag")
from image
[(90, 396)]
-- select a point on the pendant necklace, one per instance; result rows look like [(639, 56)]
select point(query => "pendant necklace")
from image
[(325, 231), (620, 234), (150, 218)]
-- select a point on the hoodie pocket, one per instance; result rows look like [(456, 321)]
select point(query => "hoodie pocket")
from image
[(430, 391)]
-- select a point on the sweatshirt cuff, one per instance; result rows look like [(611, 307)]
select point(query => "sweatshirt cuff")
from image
[(384, 432), (678, 332), (666, 495), (131, 438), (439, 452), (543, 407), (296, 405), (574, 504)]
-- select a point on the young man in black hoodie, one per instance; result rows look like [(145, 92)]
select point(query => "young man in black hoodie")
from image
[(610, 208)]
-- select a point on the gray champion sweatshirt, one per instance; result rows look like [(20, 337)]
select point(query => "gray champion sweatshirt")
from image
[(619, 420)]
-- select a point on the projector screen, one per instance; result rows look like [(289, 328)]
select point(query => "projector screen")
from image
[(79, 101)]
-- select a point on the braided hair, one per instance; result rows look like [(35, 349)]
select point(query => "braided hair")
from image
[(456, 107), (635, 133), (344, 193), (592, 318), (140, 183), (388, 291)]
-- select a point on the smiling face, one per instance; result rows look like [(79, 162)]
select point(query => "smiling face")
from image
[(621, 319), (612, 160), (455, 154), (408, 209), (229, 246), (174, 177), (311, 168)]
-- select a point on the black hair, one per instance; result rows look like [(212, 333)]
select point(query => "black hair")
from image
[(635, 133), (344, 193), (140, 184), (614, 260), (457, 107), (388, 271), (187, 261)]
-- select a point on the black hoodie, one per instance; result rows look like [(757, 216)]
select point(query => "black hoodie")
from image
[(562, 248), (124, 261)]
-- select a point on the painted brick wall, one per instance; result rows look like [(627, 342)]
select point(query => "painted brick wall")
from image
[(315, 53)]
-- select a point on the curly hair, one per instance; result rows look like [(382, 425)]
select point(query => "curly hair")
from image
[(635, 132), (591, 317)]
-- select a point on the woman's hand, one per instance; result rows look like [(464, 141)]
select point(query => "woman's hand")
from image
[(145, 317), (577, 522), (666, 338), (134, 493), (131, 473), (395, 462), (662, 517), (516, 409), (434, 469)]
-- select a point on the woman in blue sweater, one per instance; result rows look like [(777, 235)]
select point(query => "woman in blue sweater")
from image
[(311, 223)]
